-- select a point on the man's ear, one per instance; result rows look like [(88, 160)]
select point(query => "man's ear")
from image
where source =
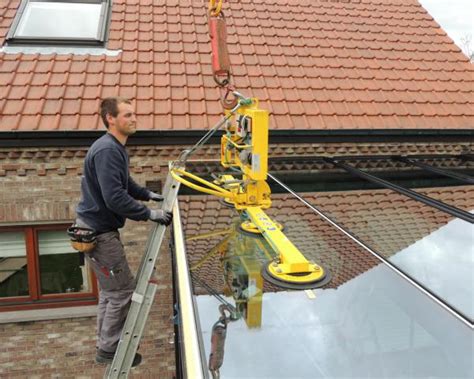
[(110, 118)]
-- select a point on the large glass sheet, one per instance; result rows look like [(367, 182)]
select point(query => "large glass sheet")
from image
[(366, 322), (461, 195), (444, 262), (13, 265), (452, 165), (434, 185), (431, 246), (60, 20)]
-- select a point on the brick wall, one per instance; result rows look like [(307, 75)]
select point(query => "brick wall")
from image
[(42, 185), (66, 348)]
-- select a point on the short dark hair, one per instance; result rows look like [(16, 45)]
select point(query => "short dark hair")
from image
[(110, 106)]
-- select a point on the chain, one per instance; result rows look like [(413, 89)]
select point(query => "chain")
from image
[(215, 7), (214, 293)]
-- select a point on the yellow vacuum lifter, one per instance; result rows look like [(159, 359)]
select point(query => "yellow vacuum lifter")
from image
[(244, 149)]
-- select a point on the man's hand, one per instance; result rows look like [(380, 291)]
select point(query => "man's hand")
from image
[(161, 217), (156, 196)]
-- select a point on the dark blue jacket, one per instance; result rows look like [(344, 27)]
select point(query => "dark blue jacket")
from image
[(109, 194)]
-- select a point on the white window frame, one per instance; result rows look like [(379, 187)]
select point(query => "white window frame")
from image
[(13, 39)]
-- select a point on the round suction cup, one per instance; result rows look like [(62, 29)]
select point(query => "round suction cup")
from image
[(301, 281), (248, 227)]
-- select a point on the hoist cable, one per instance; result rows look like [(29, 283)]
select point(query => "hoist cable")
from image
[(213, 293), (187, 153)]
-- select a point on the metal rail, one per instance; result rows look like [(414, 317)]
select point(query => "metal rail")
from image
[(464, 178), (453, 211), (378, 157), (193, 368), (143, 296), (460, 316)]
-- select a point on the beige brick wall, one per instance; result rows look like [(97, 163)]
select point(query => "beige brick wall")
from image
[(66, 348), (38, 187)]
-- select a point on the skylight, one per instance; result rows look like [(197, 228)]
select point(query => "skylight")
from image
[(65, 23), (368, 321)]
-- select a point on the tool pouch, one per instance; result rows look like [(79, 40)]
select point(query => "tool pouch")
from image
[(82, 239)]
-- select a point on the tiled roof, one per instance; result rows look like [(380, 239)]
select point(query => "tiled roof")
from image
[(314, 64), (384, 220)]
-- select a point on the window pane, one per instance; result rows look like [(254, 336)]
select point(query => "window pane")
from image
[(367, 322), (431, 246), (71, 20), (13, 267), (61, 270)]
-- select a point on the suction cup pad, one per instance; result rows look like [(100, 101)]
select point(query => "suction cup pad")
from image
[(300, 285)]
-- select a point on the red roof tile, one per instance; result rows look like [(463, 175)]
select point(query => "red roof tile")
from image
[(314, 64)]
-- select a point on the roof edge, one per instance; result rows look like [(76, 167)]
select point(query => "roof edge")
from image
[(187, 137)]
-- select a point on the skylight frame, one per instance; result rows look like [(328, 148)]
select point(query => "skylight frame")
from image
[(13, 39), (440, 205)]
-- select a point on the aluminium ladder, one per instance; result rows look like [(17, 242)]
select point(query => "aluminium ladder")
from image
[(144, 294)]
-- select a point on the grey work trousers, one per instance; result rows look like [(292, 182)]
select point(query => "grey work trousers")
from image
[(116, 286)]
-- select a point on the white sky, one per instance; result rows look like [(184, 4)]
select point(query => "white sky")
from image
[(456, 17)]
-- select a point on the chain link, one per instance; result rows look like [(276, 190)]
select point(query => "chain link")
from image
[(215, 7)]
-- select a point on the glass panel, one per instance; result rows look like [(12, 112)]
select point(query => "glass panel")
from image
[(444, 262), (61, 269), (430, 184), (461, 197), (71, 20), (366, 322), (457, 194), (430, 246), (13, 265)]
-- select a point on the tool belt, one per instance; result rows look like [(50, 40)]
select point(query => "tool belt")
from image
[(82, 239)]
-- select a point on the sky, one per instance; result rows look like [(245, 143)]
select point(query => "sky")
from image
[(456, 17)]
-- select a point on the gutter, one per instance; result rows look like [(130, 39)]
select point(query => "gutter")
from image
[(189, 137)]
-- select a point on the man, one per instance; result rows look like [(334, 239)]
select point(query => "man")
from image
[(109, 197)]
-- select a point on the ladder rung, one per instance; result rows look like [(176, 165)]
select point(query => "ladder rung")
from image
[(144, 294)]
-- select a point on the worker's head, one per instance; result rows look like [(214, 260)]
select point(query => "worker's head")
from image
[(118, 115)]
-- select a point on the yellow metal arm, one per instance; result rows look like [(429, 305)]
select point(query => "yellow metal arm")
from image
[(290, 260), (245, 146), (211, 189), (227, 139)]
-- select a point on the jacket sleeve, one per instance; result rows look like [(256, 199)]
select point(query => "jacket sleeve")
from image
[(110, 175), (137, 191)]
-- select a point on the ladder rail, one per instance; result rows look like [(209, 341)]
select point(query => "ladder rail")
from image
[(143, 296)]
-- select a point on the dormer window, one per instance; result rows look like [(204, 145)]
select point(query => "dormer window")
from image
[(45, 23)]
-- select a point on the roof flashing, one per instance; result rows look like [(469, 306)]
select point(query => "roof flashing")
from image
[(59, 50)]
